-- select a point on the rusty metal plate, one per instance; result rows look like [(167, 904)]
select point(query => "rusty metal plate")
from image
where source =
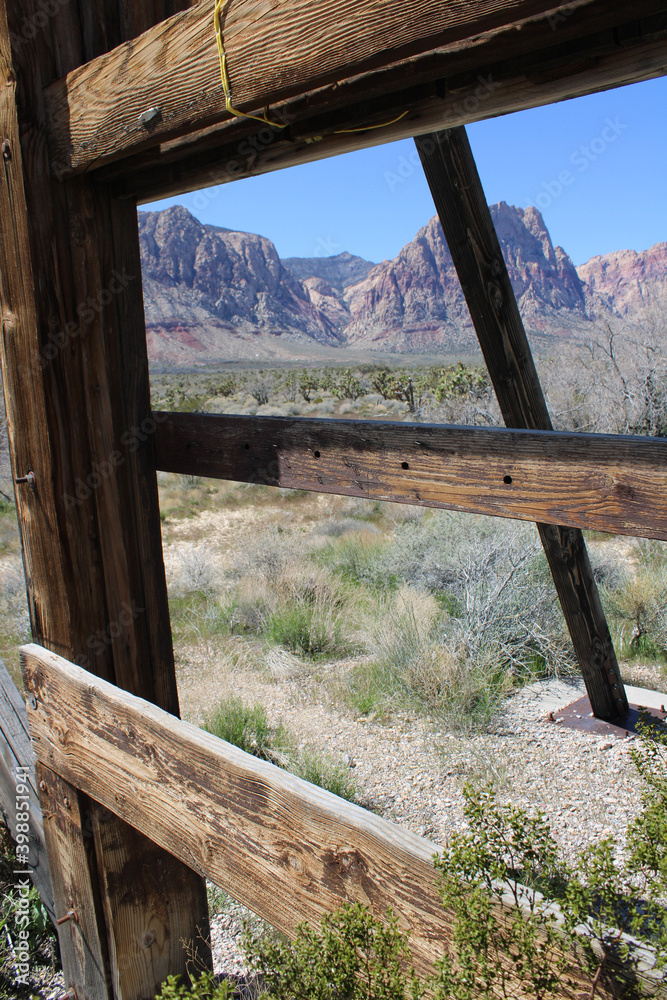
[(578, 715)]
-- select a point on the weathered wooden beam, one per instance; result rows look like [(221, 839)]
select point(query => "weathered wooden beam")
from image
[(489, 80), (75, 374), (468, 227), (17, 767), (606, 482), (172, 72), (288, 849), (69, 836)]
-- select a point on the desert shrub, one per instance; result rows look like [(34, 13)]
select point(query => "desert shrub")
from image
[(322, 770), (346, 385), (359, 560), (247, 727), (309, 383), (205, 986), (416, 663), (311, 627), (299, 628), (637, 606), (260, 389), (199, 615), (350, 956), (194, 570), (491, 578)]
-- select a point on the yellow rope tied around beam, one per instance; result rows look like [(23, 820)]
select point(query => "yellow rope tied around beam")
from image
[(227, 87), (224, 74)]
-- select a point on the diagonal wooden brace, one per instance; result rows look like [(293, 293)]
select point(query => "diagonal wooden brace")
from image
[(459, 198)]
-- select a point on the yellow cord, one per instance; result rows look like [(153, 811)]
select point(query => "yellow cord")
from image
[(366, 128), (226, 84), (227, 87)]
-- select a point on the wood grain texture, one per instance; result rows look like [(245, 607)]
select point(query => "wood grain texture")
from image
[(16, 752), (470, 233), (69, 835), (609, 483), (94, 112), (146, 919), (497, 75), (75, 374), (288, 849)]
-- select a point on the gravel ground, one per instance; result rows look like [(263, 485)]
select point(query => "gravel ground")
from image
[(413, 773)]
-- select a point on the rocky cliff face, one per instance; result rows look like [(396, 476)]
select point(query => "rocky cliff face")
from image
[(212, 294), (208, 286), (627, 283), (340, 272), (416, 298)]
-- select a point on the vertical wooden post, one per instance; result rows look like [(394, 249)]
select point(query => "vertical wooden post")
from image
[(75, 376), (473, 243)]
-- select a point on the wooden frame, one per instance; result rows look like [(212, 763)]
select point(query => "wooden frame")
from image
[(77, 151), (604, 482)]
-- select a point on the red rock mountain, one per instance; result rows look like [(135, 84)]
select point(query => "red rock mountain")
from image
[(212, 294), (627, 283)]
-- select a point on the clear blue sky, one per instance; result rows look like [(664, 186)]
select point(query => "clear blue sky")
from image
[(596, 167)]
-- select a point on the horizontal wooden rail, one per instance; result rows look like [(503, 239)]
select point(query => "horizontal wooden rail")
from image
[(605, 482), (285, 848), (165, 84)]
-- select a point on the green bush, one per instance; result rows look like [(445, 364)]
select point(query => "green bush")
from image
[(298, 627), (203, 987), (247, 727), (324, 772), (637, 606), (351, 956)]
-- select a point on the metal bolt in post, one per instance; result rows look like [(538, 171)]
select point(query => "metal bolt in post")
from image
[(29, 478), (70, 915)]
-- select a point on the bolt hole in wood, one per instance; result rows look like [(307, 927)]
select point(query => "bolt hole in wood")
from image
[(246, 446), (405, 465), (507, 480), (316, 454)]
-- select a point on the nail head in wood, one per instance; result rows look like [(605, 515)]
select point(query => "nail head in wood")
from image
[(32, 701), (6, 150), (42, 786), (149, 117)]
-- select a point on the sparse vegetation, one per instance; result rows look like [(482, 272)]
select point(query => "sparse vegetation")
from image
[(247, 727)]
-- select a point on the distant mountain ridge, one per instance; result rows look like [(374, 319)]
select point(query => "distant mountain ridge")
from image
[(212, 294), (340, 271)]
